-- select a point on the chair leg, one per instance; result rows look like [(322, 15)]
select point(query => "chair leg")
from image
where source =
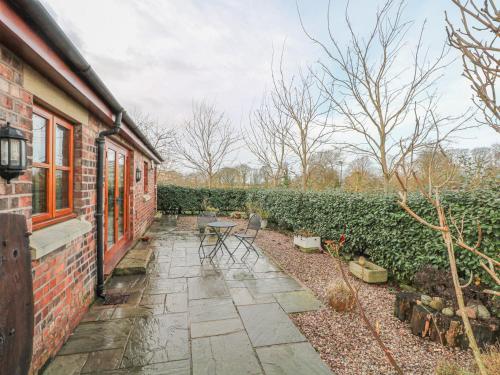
[(249, 246)]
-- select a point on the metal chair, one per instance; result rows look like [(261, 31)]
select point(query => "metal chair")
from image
[(202, 221), (248, 237)]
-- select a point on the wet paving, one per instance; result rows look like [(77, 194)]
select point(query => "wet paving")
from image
[(184, 316)]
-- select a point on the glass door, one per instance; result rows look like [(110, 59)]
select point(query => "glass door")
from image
[(116, 198)]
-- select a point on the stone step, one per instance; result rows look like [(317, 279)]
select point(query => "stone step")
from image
[(135, 261)]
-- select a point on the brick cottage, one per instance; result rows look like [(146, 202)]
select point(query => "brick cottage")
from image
[(49, 92)]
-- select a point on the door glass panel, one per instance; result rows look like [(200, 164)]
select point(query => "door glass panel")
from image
[(39, 139), (111, 197), (62, 146), (39, 190), (121, 194), (62, 189)]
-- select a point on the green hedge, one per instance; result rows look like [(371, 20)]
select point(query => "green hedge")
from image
[(188, 200), (376, 225)]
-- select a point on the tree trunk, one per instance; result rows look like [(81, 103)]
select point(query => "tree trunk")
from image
[(458, 290)]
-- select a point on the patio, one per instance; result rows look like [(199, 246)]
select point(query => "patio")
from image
[(184, 317)]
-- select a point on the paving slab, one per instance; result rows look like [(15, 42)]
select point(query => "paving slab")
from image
[(94, 336), (292, 359), (66, 365), (192, 271), (216, 327), (267, 324), (176, 302), (103, 360), (204, 310), (242, 296), (207, 287), (297, 301), (160, 285), (157, 339), (224, 355), (181, 367), (131, 312), (277, 285)]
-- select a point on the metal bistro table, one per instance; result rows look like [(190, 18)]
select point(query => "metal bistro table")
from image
[(222, 230)]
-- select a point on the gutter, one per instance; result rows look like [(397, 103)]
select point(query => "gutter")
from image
[(99, 215), (45, 25)]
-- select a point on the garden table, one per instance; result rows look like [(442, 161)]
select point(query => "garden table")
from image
[(222, 229)]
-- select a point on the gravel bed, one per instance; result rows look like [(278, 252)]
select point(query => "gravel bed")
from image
[(341, 338)]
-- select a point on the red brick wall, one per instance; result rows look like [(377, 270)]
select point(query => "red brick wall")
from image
[(64, 280), (16, 107), (144, 202)]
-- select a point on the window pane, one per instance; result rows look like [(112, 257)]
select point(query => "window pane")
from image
[(39, 139), (62, 189), (62, 146), (121, 194), (39, 190), (111, 197)]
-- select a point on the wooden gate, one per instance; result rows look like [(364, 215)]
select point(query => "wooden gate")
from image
[(16, 296)]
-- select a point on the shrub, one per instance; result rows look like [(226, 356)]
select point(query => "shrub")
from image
[(376, 226)]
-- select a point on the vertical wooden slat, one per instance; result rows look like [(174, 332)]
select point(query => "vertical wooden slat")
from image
[(16, 296)]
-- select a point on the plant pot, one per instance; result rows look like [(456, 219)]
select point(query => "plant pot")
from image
[(368, 272), (263, 224), (307, 244)]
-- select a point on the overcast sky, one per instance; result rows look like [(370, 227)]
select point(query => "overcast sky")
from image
[(160, 55)]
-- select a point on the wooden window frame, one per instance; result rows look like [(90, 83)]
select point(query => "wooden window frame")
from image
[(146, 177), (53, 216)]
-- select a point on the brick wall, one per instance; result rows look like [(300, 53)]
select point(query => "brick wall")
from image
[(16, 107), (64, 280), (144, 202)]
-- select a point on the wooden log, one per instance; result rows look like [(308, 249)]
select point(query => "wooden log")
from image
[(403, 306)]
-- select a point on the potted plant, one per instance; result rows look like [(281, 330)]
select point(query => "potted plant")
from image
[(264, 215), (307, 241)]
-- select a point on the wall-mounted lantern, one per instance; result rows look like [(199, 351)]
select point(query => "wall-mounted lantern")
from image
[(13, 159), (138, 174)]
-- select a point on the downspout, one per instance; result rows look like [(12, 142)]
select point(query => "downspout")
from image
[(99, 215)]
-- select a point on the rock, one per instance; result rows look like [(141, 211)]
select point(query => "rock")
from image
[(407, 288), (471, 312), (483, 313), (426, 300), (437, 303), (447, 311)]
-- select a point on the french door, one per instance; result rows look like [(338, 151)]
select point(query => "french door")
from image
[(116, 203)]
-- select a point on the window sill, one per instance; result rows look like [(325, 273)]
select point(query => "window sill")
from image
[(146, 197), (47, 240)]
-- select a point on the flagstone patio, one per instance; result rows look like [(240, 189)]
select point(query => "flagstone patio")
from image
[(186, 317)]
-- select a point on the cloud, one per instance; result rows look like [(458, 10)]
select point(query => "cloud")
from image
[(161, 55)]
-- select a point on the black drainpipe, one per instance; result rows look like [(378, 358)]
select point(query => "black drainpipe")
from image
[(100, 200)]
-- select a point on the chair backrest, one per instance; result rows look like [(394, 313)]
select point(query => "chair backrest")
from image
[(203, 220), (254, 222)]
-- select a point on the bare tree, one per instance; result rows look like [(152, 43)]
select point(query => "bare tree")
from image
[(477, 41), (207, 141), (453, 236), (301, 101), (161, 137), (385, 101), (266, 139)]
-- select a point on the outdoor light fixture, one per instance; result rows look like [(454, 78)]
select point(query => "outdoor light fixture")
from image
[(138, 174), (13, 159)]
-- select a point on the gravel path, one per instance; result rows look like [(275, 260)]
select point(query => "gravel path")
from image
[(342, 339)]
